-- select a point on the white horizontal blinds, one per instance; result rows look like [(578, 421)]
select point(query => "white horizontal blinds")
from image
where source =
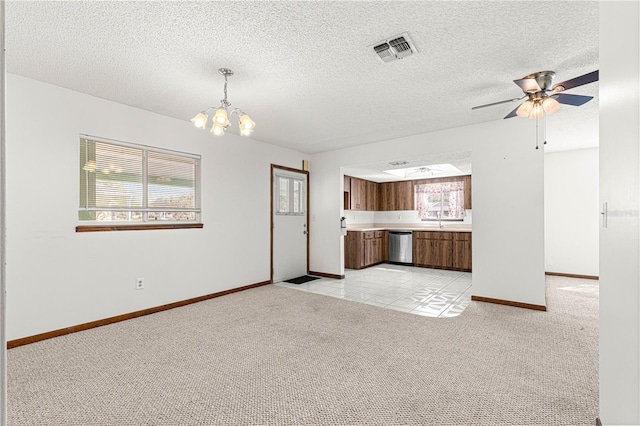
[(171, 183), (112, 180), (126, 182)]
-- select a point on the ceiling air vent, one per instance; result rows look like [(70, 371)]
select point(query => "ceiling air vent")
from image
[(396, 47)]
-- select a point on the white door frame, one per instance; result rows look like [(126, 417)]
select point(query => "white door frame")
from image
[(290, 169)]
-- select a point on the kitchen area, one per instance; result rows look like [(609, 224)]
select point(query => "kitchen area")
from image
[(407, 238), (436, 231)]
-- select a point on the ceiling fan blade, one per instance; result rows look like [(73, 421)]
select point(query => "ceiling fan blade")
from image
[(528, 85), (575, 100), (512, 113), (498, 103), (575, 82)]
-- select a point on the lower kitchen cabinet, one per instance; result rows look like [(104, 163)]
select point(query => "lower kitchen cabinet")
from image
[(442, 250), (462, 251), (365, 248)]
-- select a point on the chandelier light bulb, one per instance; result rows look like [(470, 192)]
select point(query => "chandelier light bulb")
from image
[(200, 120), (550, 105), (217, 130), (221, 117), (246, 125), (525, 109)]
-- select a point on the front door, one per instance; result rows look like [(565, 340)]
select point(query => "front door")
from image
[(289, 223)]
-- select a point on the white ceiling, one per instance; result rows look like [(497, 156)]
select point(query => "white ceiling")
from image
[(304, 71)]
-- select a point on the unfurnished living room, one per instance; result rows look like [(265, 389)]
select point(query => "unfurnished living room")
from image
[(319, 213)]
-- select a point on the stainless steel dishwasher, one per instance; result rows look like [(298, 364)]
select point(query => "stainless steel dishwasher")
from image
[(401, 247)]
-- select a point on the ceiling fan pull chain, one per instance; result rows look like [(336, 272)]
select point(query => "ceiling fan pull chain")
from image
[(545, 128), (536, 132)]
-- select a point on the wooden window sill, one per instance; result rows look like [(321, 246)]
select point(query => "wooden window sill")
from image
[(141, 227)]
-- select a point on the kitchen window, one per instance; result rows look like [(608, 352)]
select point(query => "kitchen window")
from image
[(440, 201), (135, 184), (290, 196)]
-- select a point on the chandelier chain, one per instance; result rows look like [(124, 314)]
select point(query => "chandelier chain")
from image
[(225, 102)]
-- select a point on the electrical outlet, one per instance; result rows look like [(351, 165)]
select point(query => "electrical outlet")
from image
[(399, 217), (139, 283)]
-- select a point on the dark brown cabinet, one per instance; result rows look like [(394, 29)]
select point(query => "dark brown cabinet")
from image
[(363, 249), (358, 194), (396, 196), (371, 201), (462, 251), (403, 195), (386, 196), (347, 193), (442, 250)]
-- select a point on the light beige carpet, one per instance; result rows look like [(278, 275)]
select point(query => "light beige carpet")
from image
[(275, 356)]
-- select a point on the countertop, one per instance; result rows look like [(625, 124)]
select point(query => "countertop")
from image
[(446, 227)]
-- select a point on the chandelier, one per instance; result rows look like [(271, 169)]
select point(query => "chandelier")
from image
[(220, 120)]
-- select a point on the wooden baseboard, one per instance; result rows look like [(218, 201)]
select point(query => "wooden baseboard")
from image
[(560, 274), (325, 275), (99, 323), (509, 303)]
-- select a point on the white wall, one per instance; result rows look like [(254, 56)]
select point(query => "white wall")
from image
[(58, 278), (620, 188), (508, 258), (571, 212)]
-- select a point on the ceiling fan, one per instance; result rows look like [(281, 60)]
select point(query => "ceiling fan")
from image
[(543, 97), (423, 170)]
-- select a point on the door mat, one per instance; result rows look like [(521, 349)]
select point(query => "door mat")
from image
[(301, 280)]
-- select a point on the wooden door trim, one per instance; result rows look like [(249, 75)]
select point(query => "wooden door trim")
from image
[(289, 169)]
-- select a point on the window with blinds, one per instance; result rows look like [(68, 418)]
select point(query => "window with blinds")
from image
[(290, 194), (121, 182)]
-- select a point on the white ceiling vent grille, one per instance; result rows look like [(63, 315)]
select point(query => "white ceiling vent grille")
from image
[(396, 47)]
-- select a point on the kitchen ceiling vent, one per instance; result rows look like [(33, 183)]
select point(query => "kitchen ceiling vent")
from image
[(396, 47)]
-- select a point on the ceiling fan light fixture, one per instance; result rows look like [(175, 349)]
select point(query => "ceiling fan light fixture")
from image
[(525, 109), (550, 105), (537, 111)]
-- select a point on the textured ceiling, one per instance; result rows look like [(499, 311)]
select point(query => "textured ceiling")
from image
[(304, 71)]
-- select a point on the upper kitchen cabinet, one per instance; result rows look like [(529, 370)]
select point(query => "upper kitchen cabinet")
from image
[(396, 196), (358, 194), (347, 193), (403, 195), (371, 201), (386, 196), (467, 192)]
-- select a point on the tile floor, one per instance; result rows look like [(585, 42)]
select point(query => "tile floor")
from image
[(420, 291)]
